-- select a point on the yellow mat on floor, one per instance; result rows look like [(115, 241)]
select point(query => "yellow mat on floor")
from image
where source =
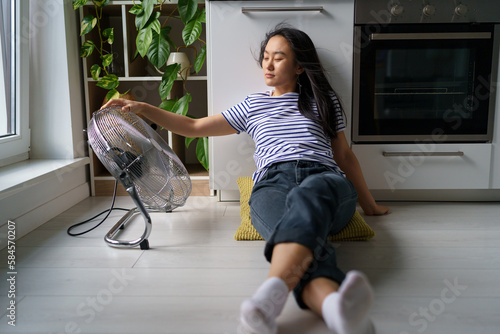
[(356, 230)]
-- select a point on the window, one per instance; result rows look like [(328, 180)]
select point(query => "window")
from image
[(7, 117), (14, 74)]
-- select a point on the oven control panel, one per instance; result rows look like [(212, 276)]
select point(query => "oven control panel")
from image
[(426, 11)]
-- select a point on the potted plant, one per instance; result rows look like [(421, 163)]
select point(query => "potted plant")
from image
[(99, 71), (153, 43)]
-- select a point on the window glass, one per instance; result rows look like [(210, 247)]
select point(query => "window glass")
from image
[(7, 110)]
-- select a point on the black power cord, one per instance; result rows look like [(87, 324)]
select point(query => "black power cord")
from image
[(108, 211)]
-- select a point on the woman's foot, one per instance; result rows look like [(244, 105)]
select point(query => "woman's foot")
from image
[(346, 311), (258, 314)]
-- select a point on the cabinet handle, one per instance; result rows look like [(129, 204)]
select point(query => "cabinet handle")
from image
[(426, 154), (281, 9)]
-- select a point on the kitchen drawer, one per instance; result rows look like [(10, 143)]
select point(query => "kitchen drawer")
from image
[(425, 165)]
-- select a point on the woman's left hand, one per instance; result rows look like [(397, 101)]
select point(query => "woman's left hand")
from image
[(375, 209)]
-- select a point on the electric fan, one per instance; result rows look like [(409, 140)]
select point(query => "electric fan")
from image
[(144, 164)]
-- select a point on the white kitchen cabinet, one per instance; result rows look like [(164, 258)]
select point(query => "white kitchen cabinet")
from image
[(425, 165), (235, 30)]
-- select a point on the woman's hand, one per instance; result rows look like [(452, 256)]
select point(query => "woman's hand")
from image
[(374, 209), (127, 105), (348, 162)]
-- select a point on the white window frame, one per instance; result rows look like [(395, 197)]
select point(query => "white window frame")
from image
[(16, 148), (3, 98)]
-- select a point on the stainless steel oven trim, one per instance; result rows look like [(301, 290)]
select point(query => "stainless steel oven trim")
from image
[(355, 87), (424, 154), (438, 138), (493, 81), (282, 9), (429, 36)]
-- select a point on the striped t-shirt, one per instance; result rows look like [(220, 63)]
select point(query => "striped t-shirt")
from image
[(280, 131)]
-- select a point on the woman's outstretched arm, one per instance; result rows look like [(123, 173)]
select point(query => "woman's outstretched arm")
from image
[(185, 126), (349, 164)]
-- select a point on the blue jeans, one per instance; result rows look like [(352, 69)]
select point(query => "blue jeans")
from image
[(303, 202)]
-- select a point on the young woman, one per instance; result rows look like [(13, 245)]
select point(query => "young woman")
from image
[(306, 185)]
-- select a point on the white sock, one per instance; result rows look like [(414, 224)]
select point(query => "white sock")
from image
[(346, 311), (258, 314)]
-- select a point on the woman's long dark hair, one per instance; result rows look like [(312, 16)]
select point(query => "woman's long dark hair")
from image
[(313, 86)]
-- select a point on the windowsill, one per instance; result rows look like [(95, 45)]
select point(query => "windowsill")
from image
[(22, 175)]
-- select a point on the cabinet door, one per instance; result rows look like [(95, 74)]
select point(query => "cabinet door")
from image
[(425, 165), (234, 37)]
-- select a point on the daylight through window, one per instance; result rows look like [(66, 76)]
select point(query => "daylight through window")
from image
[(7, 110)]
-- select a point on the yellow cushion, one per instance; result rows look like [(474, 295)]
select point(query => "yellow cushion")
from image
[(357, 229)]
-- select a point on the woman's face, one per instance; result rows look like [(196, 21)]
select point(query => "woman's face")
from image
[(280, 68)]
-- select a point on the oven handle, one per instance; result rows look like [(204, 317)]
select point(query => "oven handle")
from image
[(425, 154), (282, 9), (431, 35)]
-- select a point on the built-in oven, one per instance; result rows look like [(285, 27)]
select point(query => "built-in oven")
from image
[(424, 70)]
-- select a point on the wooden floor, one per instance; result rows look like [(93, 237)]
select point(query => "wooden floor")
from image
[(435, 268)]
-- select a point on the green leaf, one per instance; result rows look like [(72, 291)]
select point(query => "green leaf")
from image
[(143, 17), (136, 9), (143, 41), (168, 104), (107, 59), (171, 42), (202, 16), (125, 93), (167, 80), (109, 35), (101, 3), (134, 57), (112, 94), (154, 23), (182, 105), (78, 3), (159, 49), (202, 151), (200, 58), (95, 71), (165, 32), (88, 23), (191, 32), (87, 49), (187, 9), (109, 81), (188, 141)]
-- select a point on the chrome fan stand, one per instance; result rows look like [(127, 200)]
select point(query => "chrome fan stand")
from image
[(143, 240)]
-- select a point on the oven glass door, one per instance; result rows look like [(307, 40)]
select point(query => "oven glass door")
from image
[(413, 86)]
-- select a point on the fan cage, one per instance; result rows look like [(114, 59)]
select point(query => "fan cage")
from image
[(137, 156)]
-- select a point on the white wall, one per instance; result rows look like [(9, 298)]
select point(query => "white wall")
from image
[(57, 119), (56, 101)]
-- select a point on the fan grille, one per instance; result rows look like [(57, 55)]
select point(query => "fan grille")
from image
[(124, 143)]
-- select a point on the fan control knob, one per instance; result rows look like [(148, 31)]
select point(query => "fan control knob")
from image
[(397, 10), (461, 10), (429, 10)]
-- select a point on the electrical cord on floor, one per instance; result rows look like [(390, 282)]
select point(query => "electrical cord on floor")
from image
[(108, 211)]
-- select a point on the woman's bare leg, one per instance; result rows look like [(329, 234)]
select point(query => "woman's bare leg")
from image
[(345, 308), (316, 291), (288, 264)]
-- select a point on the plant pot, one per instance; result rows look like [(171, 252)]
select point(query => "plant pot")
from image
[(180, 58)]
